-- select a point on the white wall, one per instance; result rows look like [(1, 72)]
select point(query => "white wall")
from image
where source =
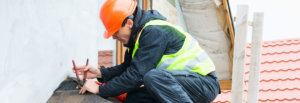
[(38, 40)]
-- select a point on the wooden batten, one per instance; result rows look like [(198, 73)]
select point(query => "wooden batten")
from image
[(225, 84), (229, 21), (120, 54), (238, 71), (145, 5), (256, 46)]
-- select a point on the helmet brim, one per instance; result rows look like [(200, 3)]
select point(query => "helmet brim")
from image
[(107, 34)]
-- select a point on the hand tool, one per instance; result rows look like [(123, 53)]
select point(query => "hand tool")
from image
[(85, 72), (80, 83)]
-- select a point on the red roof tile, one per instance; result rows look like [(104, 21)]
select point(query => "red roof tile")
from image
[(269, 97), (279, 74)]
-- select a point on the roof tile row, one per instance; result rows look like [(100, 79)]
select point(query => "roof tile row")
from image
[(279, 74)]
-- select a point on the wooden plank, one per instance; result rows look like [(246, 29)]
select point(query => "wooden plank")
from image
[(145, 5), (72, 96), (239, 55), (230, 26), (120, 54), (255, 61), (225, 84), (67, 92), (229, 21)]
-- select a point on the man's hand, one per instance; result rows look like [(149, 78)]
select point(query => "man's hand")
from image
[(90, 86), (141, 86), (91, 72)]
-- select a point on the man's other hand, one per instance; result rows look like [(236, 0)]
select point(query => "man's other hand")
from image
[(90, 86)]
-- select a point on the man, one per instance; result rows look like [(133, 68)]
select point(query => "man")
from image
[(162, 61)]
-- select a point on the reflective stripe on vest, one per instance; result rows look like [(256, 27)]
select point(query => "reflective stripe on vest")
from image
[(190, 57)]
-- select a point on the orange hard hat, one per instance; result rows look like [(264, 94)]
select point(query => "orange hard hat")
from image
[(114, 12)]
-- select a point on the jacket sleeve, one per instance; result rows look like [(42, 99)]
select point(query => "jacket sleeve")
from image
[(152, 45), (110, 72)]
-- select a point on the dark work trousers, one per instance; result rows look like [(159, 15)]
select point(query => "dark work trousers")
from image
[(179, 86), (140, 95)]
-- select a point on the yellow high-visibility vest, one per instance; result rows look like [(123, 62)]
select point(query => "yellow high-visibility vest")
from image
[(190, 57)]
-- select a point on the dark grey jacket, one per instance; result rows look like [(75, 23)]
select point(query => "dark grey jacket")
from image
[(154, 42)]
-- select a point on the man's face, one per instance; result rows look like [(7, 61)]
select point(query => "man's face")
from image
[(123, 34)]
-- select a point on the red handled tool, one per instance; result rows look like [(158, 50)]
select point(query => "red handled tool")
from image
[(85, 72), (78, 80), (81, 83)]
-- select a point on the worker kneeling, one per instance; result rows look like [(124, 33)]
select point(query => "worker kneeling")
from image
[(162, 64)]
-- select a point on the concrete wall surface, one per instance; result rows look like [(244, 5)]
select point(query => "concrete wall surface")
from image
[(39, 39)]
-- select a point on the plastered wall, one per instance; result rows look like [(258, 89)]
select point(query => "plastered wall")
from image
[(39, 39)]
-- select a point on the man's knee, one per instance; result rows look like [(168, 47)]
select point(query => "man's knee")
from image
[(152, 76)]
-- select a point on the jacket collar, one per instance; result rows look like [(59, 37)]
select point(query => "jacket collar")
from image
[(141, 17)]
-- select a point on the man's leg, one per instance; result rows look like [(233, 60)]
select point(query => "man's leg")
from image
[(181, 86), (202, 89), (140, 95), (165, 88)]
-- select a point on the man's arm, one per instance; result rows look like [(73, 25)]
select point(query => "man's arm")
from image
[(151, 48), (110, 72)]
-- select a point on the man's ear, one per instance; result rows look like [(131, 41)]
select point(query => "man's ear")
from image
[(129, 23)]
